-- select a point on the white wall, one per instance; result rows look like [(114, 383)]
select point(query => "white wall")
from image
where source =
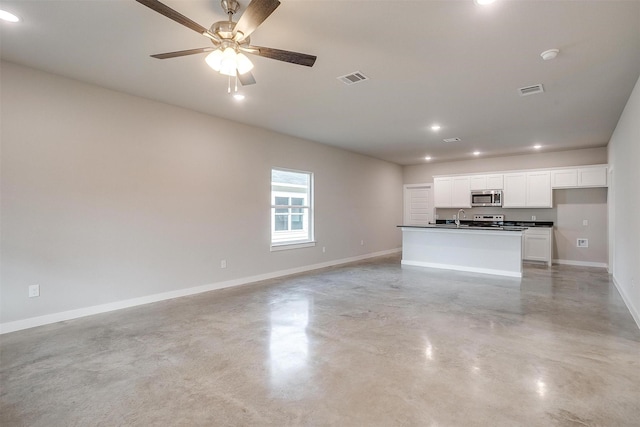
[(624, 159), (108, 197)]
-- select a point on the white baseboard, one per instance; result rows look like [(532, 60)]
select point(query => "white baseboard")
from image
[(581, 263), (463, 268), (627, 302), (118, 305)]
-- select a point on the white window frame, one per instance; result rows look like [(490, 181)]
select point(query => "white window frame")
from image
[(307, 211)]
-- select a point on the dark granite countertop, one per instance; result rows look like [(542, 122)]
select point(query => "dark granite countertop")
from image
[(452, 226)]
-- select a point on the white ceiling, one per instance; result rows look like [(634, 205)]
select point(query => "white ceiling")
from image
[(448, 62)]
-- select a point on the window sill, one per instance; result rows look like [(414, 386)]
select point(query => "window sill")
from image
[(286, 246)]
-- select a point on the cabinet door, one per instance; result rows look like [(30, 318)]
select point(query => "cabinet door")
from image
[(537, 245), (478, 182), (495, 182), (515, 190), (592, 177), (460, 192), (536, 248), (564, 178), (539, 189), (442, 192)]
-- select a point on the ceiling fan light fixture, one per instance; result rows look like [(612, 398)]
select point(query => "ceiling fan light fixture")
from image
[(243, 63), (214, 59)]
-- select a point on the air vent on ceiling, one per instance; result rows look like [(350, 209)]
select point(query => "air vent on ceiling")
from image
[(530, 90), (355, 77), (452, 140)]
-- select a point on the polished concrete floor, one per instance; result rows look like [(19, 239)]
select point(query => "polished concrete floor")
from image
[(366, 344)]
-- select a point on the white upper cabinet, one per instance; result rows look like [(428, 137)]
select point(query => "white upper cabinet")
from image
[(520, 189), (495, 181), (539, 193), (564, 178), (478, 182), (527, 190), (515, 190), (460, 192), (442, 192), (452, 192), (486, 182), (592, 177), (580, 177)]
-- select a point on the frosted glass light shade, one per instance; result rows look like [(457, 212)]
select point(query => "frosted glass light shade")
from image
[(214, 59), (244, 64), (228, 63)]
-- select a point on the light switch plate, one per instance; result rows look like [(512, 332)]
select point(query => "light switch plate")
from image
[(582, 243), (585, 222)]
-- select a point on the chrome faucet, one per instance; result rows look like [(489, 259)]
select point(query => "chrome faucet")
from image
[(458, 217)]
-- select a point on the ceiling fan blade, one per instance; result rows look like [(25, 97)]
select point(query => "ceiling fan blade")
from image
[(247, 79), (283, 55), (165, 10), (254, 15), (182, 53)]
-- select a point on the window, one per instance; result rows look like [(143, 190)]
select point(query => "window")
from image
[(291, 208)]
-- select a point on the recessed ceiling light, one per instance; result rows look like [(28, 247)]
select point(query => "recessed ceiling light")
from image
[(537, 146), (435, 127), (427, 158), (238, 97), (8, 16), (550, 54), (483, 2), (476, 153)]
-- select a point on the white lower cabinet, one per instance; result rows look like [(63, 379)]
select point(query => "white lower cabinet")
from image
[(537, 244)]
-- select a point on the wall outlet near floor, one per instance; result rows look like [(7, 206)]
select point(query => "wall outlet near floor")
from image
[(585, 222), (223, 263), (533, 217), (582, 243), (34, 291)]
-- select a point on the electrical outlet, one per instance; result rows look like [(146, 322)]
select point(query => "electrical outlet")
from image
[(585, 222), (324, 249), (34, 291), (582, 243), (361, 242), (533, 217), (223, 263)]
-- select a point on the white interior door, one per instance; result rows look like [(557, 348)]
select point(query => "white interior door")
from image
[(418, 204)]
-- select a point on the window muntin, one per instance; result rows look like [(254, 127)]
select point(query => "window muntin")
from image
[(291, 207)]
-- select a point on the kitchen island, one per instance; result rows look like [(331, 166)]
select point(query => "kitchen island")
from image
[(476, 249)]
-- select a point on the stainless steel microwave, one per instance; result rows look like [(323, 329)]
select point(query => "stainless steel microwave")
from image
[(486, 198)]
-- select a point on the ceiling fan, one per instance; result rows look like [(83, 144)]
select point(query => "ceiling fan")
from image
[(231, 39)]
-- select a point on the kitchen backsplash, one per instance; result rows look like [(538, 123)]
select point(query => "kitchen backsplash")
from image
[(509, 214)]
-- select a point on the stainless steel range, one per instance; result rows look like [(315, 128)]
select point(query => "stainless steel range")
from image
[(488, 220)]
